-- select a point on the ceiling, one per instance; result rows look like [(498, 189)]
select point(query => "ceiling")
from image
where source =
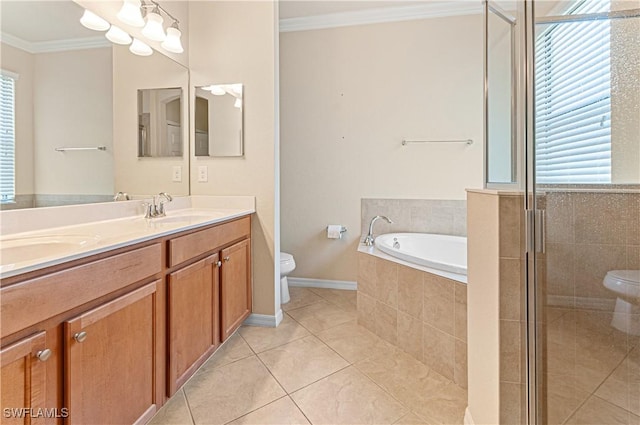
[(38, 21)]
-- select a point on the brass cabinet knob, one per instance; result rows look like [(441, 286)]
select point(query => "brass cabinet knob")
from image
[(80, 336), (43, 355), (226, 259)]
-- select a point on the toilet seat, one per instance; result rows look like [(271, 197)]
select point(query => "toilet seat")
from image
[(286, 258), (624, 282)]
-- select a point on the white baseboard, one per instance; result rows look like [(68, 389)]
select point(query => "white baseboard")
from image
[(587, 303), (323, 283), (468, 420), (264, 320)]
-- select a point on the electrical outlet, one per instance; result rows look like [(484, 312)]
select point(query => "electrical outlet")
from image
[(203, 173), (176, 173)]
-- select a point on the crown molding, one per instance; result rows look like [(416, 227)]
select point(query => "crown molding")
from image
[(55, 45), (381, 15)]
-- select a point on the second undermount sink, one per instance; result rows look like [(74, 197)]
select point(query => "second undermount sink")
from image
[(16, 250)]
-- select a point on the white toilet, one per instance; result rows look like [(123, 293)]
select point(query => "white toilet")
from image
[(287, 265), (626, 284)]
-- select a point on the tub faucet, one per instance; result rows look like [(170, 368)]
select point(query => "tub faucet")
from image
[(121, 196), (370, 239)]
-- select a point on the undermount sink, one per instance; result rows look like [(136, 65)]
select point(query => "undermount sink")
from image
[(15, 250)]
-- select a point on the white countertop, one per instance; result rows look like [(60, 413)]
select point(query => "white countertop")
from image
[(61, 234)]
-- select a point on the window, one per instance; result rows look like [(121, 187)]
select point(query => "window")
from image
[(573, 99), (7, 137)]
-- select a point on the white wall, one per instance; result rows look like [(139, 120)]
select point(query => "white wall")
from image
[(236, 42), (145, 176), (348, 97), (21, 62), (72, 107)]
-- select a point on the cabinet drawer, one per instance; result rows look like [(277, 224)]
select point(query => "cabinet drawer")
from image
[(30, 302), (192, 245)]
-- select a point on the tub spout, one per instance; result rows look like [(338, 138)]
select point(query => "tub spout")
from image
[(370, 239)]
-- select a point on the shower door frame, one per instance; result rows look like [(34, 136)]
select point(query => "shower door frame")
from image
[(534, 221)]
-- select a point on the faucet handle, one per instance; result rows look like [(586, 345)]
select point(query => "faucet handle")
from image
[(148, 209)]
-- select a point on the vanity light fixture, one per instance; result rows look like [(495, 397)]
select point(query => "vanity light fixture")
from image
[(140, 48), (153, 30), (93, 22), (118, 36), (131, 13)]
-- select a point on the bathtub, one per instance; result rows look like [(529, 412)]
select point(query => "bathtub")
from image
[(440, 252)]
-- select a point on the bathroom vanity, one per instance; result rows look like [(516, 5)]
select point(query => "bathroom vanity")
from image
[(108, 337)]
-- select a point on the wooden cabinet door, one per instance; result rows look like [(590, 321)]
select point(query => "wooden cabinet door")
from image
[(193, 319), (110, 358), (23, 381), (235, 286)]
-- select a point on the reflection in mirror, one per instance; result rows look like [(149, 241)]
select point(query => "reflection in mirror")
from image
[(218, 120), (500, 92), (72, 89), (159, 122), (62, 94)]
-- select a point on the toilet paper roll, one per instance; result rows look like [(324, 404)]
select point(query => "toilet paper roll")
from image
[(334, 231)]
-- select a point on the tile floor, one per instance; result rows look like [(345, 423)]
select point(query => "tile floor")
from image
[(317, 367), (593, 370)]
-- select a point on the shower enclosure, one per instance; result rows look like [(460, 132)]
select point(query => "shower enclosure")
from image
[(577, 78)]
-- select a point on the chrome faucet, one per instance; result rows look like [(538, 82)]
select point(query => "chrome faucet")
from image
[(155, 208), (160, 207), (370, 239), (121, 196)]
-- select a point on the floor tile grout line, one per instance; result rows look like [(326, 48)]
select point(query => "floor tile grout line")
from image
[(299, 408), (186, 401), (593, 393), (256, 409)]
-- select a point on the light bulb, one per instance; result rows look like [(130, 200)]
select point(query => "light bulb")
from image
[(139, 48), (153, 30), (93, 21), (172, 43), (118, 36), (130, 13), (218, 91)]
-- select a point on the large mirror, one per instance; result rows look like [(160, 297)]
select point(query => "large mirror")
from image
[(218, 120), (75, 135)]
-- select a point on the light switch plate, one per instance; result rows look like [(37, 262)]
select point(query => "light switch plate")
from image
[(203, 173), (176, 173)]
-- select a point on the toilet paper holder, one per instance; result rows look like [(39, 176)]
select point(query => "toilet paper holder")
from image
[(342, 229)]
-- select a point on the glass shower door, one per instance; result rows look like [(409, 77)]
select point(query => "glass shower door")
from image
[(584, 184)]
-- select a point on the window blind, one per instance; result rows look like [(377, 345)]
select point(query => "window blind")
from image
[(573, 99), (7, 138)]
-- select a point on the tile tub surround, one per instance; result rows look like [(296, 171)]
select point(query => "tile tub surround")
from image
[(446, 217), (423, 314), (308, 371)]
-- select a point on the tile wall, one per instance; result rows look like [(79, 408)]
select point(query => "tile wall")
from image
[(423, 314), (447, 217)]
